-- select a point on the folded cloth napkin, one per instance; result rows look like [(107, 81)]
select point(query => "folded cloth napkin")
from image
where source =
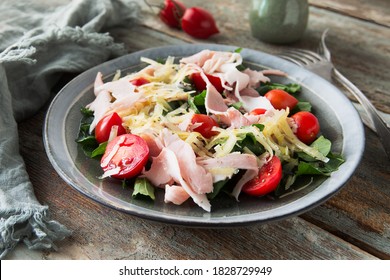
[(38, 44)]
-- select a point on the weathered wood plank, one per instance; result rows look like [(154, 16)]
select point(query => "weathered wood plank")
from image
[(376, 11)]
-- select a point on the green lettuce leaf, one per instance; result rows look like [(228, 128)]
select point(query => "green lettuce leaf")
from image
[(143, 189)]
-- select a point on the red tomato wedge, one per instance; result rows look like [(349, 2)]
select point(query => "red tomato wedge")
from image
[(103, 127), (200, 84), (308, 126), (125, 156), (281, 99), (139, 81), (267, 180), (258, 111), (206, 125)]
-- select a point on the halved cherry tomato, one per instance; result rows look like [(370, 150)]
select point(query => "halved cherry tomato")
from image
[(200, 84), (103, 127), (206, 125), (267, 180), (139, 81), (308, 126), (125, 156), (258, 111), (198, 23), (281, 99), (172, 12)]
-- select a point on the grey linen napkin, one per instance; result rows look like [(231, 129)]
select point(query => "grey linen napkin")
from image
[(38, 44)]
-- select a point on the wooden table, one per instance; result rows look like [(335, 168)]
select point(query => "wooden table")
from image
[(354, 224)]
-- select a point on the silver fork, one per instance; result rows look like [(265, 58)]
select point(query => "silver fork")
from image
[(322, 66)]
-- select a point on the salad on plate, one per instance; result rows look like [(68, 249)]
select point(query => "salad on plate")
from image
[(204, 125)]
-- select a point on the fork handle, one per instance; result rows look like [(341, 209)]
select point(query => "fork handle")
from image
[(381, 128)]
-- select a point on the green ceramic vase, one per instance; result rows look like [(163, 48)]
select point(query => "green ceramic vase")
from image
[(279, 21)]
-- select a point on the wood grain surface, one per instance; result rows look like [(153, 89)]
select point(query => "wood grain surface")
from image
[(354, 224), (376, 11)]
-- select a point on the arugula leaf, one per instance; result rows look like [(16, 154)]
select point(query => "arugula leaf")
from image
[(161, 60), (308, 167), (250, 143), (174, 104), (143, 189), (237, 105), (85, 138), (290, 88), (335, 160), (259, 126), (315, 167), (241, 67), (322, 144), (217, 187), (302, 106), (200, 99), (320, 168), (197, 102), (99, 150)]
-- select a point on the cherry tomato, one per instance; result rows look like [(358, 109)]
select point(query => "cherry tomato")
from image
[(267, 180), (308, 126), (125, 156), (207, 123), (200, 84), (172, 12), (103, 127), (258, 111), (198, 23), (139, 81), (281, 99)]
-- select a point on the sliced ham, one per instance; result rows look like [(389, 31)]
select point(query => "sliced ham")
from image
[(199, 58), (256, 77), (187, 122), (274, 72), (250, 103), (153, 141), (219, 60), (98, 82), (122, 91), (214, 102), (177, 163), (234, 160), (232, 118), (101, 103), (248, 91), (159, 173), (175, 171), (235, 77), (225, 167), (194, 174), (119, 89), (175, 194), (248, 175), (126, 102)]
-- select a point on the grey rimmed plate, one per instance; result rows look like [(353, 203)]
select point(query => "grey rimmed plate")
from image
[(339, 122)]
